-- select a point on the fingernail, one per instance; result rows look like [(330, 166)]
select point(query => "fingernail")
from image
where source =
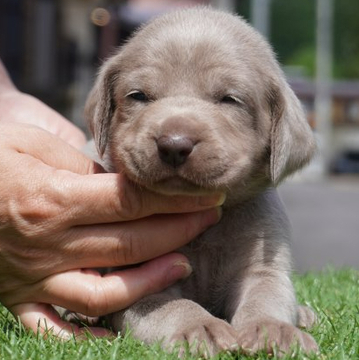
[(212, 200), (180, 269), (65, 335)]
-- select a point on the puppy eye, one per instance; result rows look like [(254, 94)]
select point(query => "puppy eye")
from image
[(230, 99), (138, 96)]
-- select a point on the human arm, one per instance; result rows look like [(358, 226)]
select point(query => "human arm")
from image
[(17, 106)]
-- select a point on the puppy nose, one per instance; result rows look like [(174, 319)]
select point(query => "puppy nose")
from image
[(174, 150)]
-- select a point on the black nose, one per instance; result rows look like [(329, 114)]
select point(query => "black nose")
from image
[(174, 150)]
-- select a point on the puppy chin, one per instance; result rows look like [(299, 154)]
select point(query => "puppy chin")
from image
[(179, 186)]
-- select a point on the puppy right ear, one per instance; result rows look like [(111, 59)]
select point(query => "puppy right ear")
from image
[(100, 105)]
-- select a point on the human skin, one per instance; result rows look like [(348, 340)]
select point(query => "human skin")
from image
[(61, 216)]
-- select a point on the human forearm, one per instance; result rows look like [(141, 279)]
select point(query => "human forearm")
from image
[(5, 82), (16, 106)]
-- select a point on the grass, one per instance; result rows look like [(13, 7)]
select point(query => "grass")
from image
[(332, 294)]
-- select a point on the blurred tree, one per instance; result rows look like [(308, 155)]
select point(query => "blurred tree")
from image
[(293, 34), (346, 39)]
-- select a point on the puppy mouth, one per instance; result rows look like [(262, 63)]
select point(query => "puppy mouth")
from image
[(179, 181)]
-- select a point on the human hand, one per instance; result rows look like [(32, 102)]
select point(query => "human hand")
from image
[(59, 219), (23, 108)]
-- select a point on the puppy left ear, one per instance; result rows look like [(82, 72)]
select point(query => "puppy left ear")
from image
[(292, 139)]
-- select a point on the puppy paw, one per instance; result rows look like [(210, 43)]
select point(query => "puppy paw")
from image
[(205, 339), (270, 334), (306, 317)]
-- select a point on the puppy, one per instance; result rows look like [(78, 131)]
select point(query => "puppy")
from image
[(196, 103)]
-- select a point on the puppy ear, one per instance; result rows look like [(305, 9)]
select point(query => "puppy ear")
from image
[(292, 140), (100, 106)]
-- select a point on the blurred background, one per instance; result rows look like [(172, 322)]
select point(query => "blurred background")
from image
[(52, 49)]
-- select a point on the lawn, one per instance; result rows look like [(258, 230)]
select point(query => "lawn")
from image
[(333, 294)]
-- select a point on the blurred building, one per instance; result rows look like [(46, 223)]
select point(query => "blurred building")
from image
[(35, 50), (345, 120)]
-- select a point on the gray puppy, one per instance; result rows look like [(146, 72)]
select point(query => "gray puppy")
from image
[(196, 103)]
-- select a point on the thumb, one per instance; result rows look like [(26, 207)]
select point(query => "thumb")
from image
[(89, 293), (43, 318)]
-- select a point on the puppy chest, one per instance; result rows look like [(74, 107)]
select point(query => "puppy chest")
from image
[(216, 272)]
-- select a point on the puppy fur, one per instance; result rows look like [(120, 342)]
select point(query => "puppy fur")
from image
[(195, 103)]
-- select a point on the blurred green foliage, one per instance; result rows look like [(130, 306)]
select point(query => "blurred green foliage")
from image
[(293, 26)]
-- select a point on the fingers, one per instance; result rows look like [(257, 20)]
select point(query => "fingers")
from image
[(107, 245), (133, 242), (43, 318), (109, 198), (89, 293), (99, 246)]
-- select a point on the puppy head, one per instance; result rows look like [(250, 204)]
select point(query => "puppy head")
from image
[(196, 102)]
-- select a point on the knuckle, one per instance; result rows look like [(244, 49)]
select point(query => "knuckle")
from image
[(28, 263), (127, 251), (155, 282), (97, 302), (130, 204), (33, 215)]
